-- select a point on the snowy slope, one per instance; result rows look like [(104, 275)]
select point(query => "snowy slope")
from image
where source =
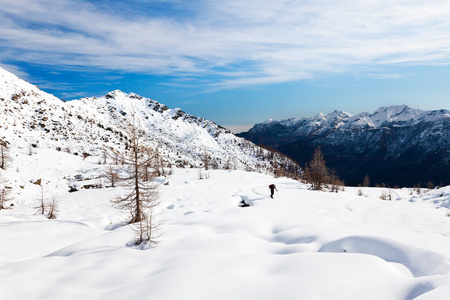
[(32, 119), (300, 245)]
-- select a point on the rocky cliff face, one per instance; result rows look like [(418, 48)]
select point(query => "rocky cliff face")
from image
[(396, 145)]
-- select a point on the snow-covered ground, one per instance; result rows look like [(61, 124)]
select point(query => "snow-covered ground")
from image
[(300, 245)]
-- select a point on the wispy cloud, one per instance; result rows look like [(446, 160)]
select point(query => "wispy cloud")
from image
[(15, 70), (231, 43)]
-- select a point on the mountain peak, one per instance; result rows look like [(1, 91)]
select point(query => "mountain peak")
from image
[(319, 116), (338, 113), (393, 114), (89, 125), (115, 94)]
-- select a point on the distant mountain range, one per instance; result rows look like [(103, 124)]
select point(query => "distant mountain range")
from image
[(395, 145), (32, 118)]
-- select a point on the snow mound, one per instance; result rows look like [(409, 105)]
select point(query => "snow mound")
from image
[(419, 261), (437, 197), (439, 293)]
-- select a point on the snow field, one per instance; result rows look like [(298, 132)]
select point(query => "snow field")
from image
[(299, 245)]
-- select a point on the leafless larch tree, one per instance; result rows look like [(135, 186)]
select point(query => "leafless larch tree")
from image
[(5, 157), (141, 192), (4, 194)]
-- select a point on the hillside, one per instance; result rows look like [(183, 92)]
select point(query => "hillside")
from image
[(396, 145), (31, 118)]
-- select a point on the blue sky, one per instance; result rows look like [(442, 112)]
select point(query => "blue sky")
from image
[(236, 62)]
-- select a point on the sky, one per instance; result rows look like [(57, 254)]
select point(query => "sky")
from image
[(235, 62)]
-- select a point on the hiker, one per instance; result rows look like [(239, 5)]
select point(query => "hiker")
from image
[(272, 188)]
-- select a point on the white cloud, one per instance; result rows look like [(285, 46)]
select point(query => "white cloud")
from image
[(15, 70), (235, 42)]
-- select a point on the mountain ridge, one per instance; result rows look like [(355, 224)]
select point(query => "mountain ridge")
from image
[(391, 142), (32, 118)]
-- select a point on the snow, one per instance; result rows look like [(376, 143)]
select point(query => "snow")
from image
[(300, 245), (384, 117), (395, 113), (29, 116)]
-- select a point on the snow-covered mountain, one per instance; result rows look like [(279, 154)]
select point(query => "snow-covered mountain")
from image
[(31, 118), (396, 144), (285, 131)]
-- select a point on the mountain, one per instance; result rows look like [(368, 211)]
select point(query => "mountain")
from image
[(31, 118), (396, 145)]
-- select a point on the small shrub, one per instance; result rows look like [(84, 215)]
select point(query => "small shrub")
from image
[(360, 192)]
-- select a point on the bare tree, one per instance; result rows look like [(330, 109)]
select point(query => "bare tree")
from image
[(360, 191), (161, 167), (205, 159), (53, 208), (316, 172), (151, 168), (386, 195), (142, 195), (158, 163), (104, 156), (335, 183), (5, 157), (4, 197), (277, 171), (366, 181), (112, 175), (215, 164), (41, 207), (146, 231), (418, 189), (4, 194)]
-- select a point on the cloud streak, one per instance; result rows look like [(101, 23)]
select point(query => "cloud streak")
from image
[(229, 43)]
